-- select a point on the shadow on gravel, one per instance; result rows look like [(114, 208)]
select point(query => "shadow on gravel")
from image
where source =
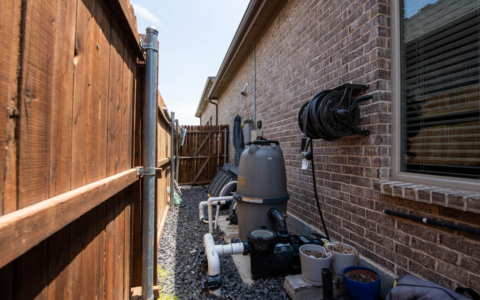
[(180, 272)]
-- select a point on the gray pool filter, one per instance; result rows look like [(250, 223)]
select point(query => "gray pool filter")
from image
[(261, 185)]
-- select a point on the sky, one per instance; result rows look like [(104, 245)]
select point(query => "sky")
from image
[(194, 36)]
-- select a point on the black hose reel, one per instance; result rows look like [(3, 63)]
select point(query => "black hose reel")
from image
[(330, 115)]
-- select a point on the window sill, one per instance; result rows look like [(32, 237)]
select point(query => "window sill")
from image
[(447, 197)]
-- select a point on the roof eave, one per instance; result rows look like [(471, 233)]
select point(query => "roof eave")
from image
[(256, 20), (203, 103)]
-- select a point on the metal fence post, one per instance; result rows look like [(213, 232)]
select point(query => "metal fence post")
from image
[(148, 205), (177, 141), (172, 168), (224, 145)]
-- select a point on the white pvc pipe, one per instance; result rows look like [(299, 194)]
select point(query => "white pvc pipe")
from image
[(212, 255), (200, 210), (216, 216), (202, 204), (213, 252), (235, 248), (225, 186), (210, 212)]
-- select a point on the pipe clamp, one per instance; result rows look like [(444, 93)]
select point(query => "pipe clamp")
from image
[(142, 171), (145, 46)]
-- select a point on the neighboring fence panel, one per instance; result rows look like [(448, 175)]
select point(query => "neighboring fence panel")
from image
[(68, 85), (204, 146)]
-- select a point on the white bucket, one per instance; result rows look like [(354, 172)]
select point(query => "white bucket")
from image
[(342, 261), (311, 266)]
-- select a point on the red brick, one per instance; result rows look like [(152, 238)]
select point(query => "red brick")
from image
[(435, 250), (419, 257), (470, 263), (460, 244)]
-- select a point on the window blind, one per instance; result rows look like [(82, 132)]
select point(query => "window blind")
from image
[(440, 111)]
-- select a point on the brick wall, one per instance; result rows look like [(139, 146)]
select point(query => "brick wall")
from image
[(315, 45)]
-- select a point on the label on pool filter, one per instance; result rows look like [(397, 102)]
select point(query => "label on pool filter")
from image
[(242, 181), (252, 200)]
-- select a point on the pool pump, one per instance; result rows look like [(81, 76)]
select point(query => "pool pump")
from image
[(271, 253)]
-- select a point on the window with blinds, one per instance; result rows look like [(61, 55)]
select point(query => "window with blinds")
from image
[(440, 109)]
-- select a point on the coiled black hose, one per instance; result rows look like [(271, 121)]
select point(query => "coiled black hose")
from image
[(309, 117)]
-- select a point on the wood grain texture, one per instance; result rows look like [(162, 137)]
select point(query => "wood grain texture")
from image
[(98, 93), (137, 193), (66, 229), (128, 24), (110, 259), (59, 264), (30, 280), (23, 229), (36, 84), (10, 36), (128, 195), (76, 278), (115, 81), (62, 99)]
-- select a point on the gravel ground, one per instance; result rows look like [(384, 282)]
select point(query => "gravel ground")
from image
[(180, 272)]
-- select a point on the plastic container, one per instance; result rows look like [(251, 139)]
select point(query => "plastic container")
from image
[(342, 261), (312, 267), (360, 290)]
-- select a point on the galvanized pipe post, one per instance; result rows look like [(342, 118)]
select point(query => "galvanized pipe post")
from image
[(224, 145), (148, 199), (172, 160), (177, 141)]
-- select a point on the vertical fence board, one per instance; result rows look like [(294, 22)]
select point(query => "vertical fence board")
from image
[(110, 259), (77, 241), (31, 274), (81, 139), (101, 253), (79, 116), (35, 105), (98, 93), (10, 14), (127, 256), (58, 264), (90, 268), (112, 158)]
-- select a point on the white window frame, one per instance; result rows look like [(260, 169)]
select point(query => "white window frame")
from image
[(452, 182)]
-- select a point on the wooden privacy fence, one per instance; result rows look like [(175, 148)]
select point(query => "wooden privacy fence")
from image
[(71, 96), (204, 146)]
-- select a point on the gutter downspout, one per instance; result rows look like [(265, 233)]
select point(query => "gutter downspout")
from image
[(148, 184), (216, 110)]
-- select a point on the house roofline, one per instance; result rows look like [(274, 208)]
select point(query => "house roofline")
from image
[(203, 103), (256, 20)]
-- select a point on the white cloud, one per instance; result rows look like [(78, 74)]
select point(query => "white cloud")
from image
[(146, 14)]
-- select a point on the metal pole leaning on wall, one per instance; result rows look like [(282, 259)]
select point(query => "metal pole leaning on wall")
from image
[(172, 171), (148, 199)]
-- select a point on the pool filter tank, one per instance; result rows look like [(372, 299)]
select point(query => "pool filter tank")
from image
[(261, 185)]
